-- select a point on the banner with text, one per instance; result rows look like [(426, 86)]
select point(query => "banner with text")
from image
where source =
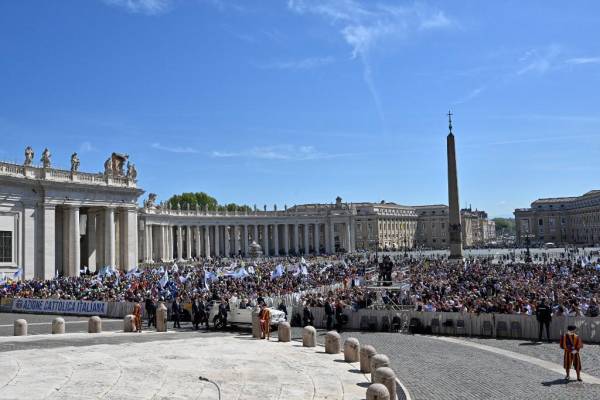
[(58, 306)]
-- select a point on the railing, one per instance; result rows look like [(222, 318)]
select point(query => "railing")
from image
[(60, 175), (12, 169), (265, 214)]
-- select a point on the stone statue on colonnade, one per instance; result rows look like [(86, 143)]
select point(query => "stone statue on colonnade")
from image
[(151, 202), (46, 162), (74, 162), (29, 154), (131, 171)]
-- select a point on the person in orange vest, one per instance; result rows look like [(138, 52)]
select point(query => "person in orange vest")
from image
[(137, 314), (265, 322), (571, 344)]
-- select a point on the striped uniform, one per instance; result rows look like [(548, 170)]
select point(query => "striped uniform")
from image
[(265, 323), (571, 344)]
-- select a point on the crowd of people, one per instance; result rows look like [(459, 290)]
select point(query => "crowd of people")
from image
[(480, 285), (212, 279), (569, 287)]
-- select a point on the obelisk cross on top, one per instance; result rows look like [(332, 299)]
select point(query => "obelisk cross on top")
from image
[(454, 227)]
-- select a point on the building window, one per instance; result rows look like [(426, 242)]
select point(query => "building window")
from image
[(540, 222), (6, 246)]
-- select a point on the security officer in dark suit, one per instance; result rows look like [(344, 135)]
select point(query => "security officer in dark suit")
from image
[(150, 311), (176, 313), (543, 314), (329, 312)]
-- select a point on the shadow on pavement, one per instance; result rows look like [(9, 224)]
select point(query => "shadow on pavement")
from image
[(561, 381)]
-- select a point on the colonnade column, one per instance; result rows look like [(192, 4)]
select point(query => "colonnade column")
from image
[(129, 242), (332, 235), (352, 245), (296, 233), (255, 237), (246, 248), (109, 237), (236, 239), (286, 239), (317, 239), (179, 243), (49, 233), (206, 240), (276, 238), (188, 242), (227, 243), (74, 248), (90, 236), (198, 241), (171, 243), (306, 245), (348, 238), (148, 243), (266, 251), (217, 244), (327, 238), (161, 254)]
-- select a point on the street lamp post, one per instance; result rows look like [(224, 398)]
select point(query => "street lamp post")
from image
[(528, 244), (202, 378)]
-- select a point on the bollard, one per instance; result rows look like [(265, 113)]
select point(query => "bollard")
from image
[(366, 352), (387, 377), (284, 332), (94, 325), (256, 322), (377, 391), (58, 326), (20, 327), (309, 336), (333, 342), (161, 318), (129, 323), (351, 349), (377, 361)]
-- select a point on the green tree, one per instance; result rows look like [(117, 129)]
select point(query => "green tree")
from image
[(202, 200), (199, 198), (505, 226)]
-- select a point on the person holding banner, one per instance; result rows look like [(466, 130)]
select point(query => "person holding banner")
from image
[(571, 344)]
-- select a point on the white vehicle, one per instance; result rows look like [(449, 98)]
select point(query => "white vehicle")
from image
[(241, 316)]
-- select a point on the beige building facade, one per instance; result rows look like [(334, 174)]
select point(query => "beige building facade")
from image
[(560, 220), (55, 221), (432, 227)]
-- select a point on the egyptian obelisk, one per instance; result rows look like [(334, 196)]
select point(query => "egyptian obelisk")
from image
[(454, 226)]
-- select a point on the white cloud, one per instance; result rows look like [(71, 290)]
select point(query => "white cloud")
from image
[(539, 61), (86, 147), (306, 63), (148, 7), (278, 152), (583, 60), (471, 95), (436, 21), (363, 25), (176, 149)]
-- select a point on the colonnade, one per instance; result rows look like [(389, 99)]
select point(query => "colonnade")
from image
[(90, 237), (165, 242)]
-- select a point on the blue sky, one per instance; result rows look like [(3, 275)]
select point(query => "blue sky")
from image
[(287, 102)]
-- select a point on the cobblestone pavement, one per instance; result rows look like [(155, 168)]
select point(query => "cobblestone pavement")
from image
[(590, 355), (432, 369)]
